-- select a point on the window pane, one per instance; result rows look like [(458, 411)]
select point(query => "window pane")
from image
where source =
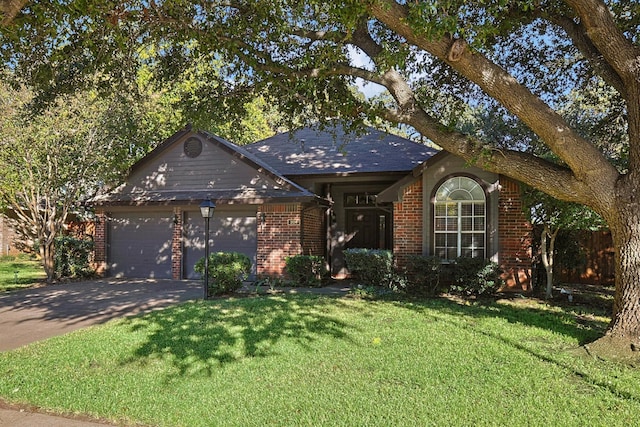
[(466, 224), (467, 209), (452, 224), (452, 253), (478, 224), (441, 209), (441, 224), (478, 209), (478, 253), (460, 195), (478, 240)]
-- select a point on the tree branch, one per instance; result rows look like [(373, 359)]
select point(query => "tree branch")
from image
[(578, 34), (9, 9), (588, 164)]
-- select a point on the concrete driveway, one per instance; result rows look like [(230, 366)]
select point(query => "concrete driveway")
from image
[(39, 313)]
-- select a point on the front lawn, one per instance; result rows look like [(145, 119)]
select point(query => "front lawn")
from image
[(311, 360), (17, 272)]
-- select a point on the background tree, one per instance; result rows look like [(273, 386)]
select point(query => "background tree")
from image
[(554, 215), (50, 163), (519, 57)]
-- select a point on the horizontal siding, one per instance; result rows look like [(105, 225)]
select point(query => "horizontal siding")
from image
[(214, 168)]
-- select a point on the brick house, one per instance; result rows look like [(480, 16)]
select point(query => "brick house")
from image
[(313, 192)]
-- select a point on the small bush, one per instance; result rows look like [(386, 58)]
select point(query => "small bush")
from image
[(306, 270), (72, 257), (423, 275), (372, 266), (474, 276), (227, 270)]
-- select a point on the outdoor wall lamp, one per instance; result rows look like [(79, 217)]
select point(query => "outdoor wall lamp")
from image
[(206, 210), (263, 218)]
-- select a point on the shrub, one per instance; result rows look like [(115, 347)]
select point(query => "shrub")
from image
[(306, 270), (227, 270), (474, 276), (371, 266), (72, 257), (423, 275)]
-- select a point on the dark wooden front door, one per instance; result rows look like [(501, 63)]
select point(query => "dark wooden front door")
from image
[(368, 228)]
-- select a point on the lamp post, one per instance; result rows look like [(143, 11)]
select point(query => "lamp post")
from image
[(206, 209)]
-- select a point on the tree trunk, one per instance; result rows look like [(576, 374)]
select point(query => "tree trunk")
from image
[(548, 244), (626, 305), (622, 338), (48, 261)]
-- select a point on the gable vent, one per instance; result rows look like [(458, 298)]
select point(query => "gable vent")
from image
[(192, 147)]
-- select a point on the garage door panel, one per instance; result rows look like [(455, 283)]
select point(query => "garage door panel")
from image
[(229, 232), (140, 245)]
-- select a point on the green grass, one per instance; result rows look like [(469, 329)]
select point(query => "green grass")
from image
[(17, 272), (310, 360)]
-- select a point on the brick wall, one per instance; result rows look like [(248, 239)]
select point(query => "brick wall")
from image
[(514, 234), (313, 233), (8, 238), (279, 236), (176, 245), (100, 241), (408, 223)]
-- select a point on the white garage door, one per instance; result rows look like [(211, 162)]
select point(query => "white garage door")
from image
[(140, 245), (233, 231)]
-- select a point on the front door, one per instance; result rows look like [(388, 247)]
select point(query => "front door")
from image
[(368, 228)]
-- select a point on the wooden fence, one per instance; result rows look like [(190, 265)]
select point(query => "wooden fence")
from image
[(594, 265)]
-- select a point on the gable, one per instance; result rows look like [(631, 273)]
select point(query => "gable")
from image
[(192, 166)]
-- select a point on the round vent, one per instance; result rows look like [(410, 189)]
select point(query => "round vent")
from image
[(192, 147)]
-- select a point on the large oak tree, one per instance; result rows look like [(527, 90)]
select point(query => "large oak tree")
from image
[(518, 59)]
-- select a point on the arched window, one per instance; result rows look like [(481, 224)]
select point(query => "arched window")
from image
[(459, 219)]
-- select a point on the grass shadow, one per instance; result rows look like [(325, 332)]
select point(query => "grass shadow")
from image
[(198, 337)]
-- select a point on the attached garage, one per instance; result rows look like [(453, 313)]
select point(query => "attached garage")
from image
[(151, 226), (230, 231), (140, 244)]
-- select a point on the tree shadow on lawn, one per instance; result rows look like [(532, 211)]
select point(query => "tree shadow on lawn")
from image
[(575, 322), (199, 336)]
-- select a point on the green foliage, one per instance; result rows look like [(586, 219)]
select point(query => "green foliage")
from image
[(424, 275), (227, 270), (474, 276), (371, 266), (543, 209), (306, 270), (73, 257)]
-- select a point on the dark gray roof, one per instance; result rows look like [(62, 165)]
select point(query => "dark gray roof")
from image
[(312, 151)]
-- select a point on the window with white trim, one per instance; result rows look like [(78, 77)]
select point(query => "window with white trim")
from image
[(459, 219)]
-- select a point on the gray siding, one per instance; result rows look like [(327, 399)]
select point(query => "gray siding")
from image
[(214, 168)]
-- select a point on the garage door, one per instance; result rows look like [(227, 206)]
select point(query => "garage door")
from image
[(230, 232), (140, 245)]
